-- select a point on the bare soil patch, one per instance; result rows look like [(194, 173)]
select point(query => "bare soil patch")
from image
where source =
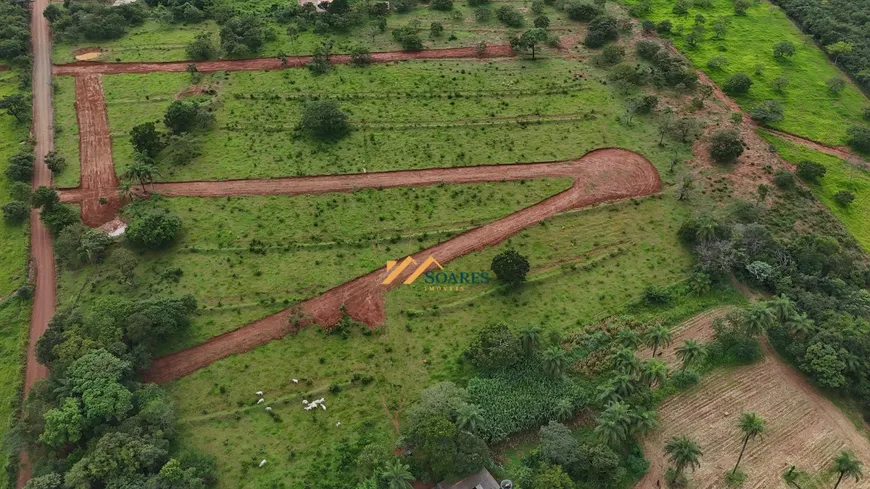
[(86, 54), (698, 328)]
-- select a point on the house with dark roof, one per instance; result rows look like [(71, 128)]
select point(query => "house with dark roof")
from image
[(482, 479)]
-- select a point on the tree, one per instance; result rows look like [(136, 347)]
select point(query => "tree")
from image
[(183, 117), (469, 417), (811, 171), (146, 139), (738, 83), (741, 6), (846, 465), (685, 186), (142, 170), (783, 49), (242, 35), (494, 347), (601, 30), (529, 40), (767, 112), (654, 372), (658, 336), (838, 49), (542, 22), (780, 83), (558, 444), (752, 426), (64, 424), (757, 318), (15, 212), (436, 29), (530, 339), (510, 16), (844, 197), (20, 167), (407, 37), (55, 162), (17, 106), (441, 4), (563, 410), (647, 49), (690, 352), (397, 475), (48, 481), (45, 197), (859, 137), (614, 423), (835, 84), (510, 267), (683, 453), (583, 12), (553, 477), (726, 145), (556, 361), (720, 27), (360, 55), (688, 128), (153, 230), (324, 119), (202, 47)]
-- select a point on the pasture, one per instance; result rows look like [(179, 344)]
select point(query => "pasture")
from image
[(66, 131), (13, 237), (811, 110)]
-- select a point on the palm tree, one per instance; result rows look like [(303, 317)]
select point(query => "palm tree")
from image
[(801, 326), (625, 361), (758, 317), (791, 477), (847, 466), (644, 421), (530, 337), (628, 337), (752, 426), (706, 230), (783, 308), (683, 453), (690, 352), (469, 417), (555, 361), (654, 372), (658, 336), (397, 475), (142, 171), (614, 423), (564, 410), (125, 190), (623, 385), (606, 393)]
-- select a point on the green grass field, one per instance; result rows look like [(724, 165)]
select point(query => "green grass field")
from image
[(433, 126), (616, 250), (13, 238), (841, 175), (14, 322), (810, 109), (312, 243), (156, 41), (66, 131)]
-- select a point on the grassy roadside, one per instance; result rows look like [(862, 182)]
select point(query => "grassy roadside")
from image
[(841, 175), (66, 131), (13, 238)]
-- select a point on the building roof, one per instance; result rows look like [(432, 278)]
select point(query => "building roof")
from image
[(481, 480)]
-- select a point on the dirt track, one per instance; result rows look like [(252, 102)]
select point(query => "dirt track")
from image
[(42, 255), (95, 149), (804, 428), (599, 176), (89, 67)]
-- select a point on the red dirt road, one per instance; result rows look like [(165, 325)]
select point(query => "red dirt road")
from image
[(95, 147), (89, 67), (44, 298), (599, 176)]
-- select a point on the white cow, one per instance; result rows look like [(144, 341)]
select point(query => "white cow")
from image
[(263, 462), (261, 401)]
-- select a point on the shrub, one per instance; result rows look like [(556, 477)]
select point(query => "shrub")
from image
[(740, 6), (835, 84), (324, 119), (407, 37), (21, 191), (664, 27), (783, 49), (58, 217), (844, 197), (780, 83), (509, 16), (656, 296), (15, 212), (859, 138), (717, 63), (767, 112), (45, 197), (436, 29), (20, 166), (510, 267), (184, 116), (811, 171), (55, 162), (784, 180), (482, 15), (612, 54), (146, 139), (154, 230), (683, 379), (441, 4), (478, 3), (647, 49), (202, 47), (601, 30), (360, 55), (582, 11), (726, 145), (319, 64), (738, 83), (242, 35), (542, 22)]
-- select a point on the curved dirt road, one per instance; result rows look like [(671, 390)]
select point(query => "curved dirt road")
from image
[(274, 63), (599, 176)]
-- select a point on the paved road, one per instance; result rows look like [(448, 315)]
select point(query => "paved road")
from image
[(40, 240)]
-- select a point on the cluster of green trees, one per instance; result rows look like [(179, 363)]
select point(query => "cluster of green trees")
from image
[(15, 32), (659, 68), (820, 318), (91, 423), (839, 27), (95, 22)]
